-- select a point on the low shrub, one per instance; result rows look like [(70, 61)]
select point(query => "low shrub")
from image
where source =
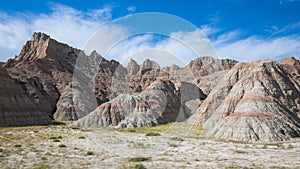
[(139, 159), (89, 153), (139, 166), (152, 134), (62, 145)]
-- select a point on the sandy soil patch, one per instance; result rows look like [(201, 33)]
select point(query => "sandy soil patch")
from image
[(176, 146)]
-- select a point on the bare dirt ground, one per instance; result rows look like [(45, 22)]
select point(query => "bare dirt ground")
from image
[(175, 146)]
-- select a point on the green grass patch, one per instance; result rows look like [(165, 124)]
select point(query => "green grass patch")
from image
[(196, 130), (89, 153), (62, 145), (58, 123), (40, 166), (178, 127), (17, 145), (55, 137), (279, 145), (139, 159), (138, 145), (177, 139), (157, 129), (240, 152), (152, 134), (139, 166), (232, 141), (81, 137), (56, 140), (173, 145), (290, 146), (265, 146), (131, 130)]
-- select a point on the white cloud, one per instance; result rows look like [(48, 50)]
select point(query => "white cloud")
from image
[(255, 48), (226, 37), (208, 29), (182, 47), (106, 38), (231, 45), (74, 27), (64, 24), (131, 9), (197, 41)]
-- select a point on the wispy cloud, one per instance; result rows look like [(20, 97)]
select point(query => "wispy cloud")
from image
[(131, 9), (64, 23), (227, 37), (256, 48), (208, 29), (276, 30)]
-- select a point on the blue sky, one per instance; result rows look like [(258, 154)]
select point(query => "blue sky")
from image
[(240, 29)]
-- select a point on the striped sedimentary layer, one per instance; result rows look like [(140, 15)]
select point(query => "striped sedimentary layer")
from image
[(158, 104), (16, 107), (258, 101)]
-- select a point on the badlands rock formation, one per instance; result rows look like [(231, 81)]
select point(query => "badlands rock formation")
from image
[(16, 107), (258, 101), (158, 104), (190, 96), (293, 67), (74, 104), (45, 67)]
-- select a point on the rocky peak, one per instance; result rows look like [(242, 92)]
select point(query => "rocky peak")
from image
[(292, 65), (290, 61), (207, 65), (174, 67), (35, 48), (95, 56), (43, 47), (132, 67), (149, 65), (39, 36)]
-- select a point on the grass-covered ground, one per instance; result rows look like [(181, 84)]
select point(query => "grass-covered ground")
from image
[(174, 145)]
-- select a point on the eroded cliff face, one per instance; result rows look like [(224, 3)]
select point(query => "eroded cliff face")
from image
[(256, 101), (16, 107), (45, 67), (158, 104)]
